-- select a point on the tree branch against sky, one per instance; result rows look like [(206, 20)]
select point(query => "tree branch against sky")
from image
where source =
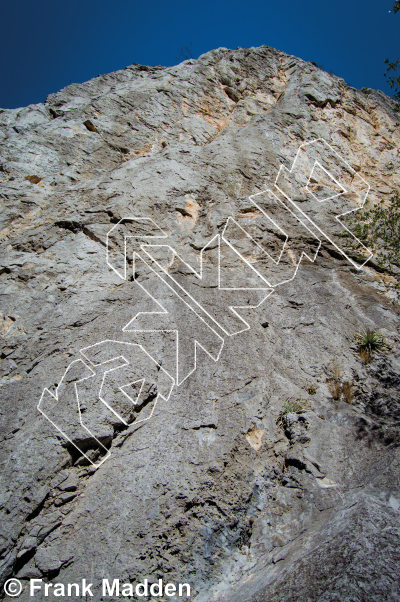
[(394, 81)]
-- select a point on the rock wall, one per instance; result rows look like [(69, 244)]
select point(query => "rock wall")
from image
[(139, 209)]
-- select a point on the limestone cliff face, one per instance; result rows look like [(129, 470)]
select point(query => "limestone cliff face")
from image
[(201, 479)]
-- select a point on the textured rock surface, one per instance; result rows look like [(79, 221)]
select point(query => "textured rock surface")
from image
[(215, 489)]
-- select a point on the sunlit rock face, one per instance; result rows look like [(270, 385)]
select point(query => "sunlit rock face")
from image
[(178, 305)]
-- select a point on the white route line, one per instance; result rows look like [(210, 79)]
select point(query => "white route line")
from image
[(128, 363), (198, 308), (196, 343), (276, 262), (56, 397), (194, 306), (329, 198), (283, 169), (139, 220)]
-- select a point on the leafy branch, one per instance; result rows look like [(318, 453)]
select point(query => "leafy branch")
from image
[(379, 229), (394, 81)]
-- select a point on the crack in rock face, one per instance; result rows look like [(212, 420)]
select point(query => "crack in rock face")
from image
[(182, 394)]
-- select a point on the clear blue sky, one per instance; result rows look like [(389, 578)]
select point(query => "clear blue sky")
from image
[(45, 45)]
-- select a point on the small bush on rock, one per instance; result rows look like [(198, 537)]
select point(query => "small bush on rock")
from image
[(334, 385), (378, 228), (370, 340), (292, 407), (365, 356), (347, 390)]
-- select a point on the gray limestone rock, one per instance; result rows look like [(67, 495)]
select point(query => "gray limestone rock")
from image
[(162, 455)]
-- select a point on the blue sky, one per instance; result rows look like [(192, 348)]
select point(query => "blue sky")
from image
[(45, 45)]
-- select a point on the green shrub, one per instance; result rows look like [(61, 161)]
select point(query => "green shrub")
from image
[(292, 407), (370, 340), (378, 228)]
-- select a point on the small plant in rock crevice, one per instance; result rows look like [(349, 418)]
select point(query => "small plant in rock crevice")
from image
[(292, 407), (335, 389), (311, 389), (370, 340), (365, 355), (334, 385), (347, 391), (338, 389)]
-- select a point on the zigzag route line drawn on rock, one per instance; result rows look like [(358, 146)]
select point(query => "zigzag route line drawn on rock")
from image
[(293, 196)]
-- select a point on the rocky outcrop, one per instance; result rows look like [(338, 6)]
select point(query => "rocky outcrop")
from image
[(207, 479)]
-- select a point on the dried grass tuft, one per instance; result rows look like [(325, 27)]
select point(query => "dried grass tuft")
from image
[(347, 390), (334, 385), (365, 355), (335, 389)]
